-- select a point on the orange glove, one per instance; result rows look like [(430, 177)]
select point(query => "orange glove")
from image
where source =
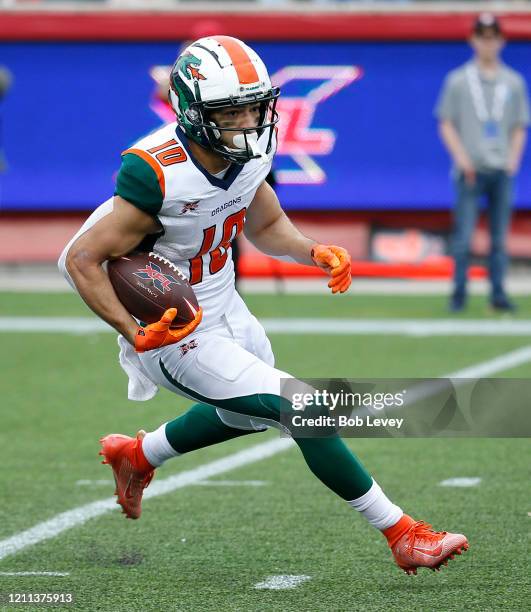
[(336, 262), (159, 334)]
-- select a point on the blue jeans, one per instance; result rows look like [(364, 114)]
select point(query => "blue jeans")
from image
[(496, 186)]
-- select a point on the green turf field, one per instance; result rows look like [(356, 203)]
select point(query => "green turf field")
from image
[(206, 547)]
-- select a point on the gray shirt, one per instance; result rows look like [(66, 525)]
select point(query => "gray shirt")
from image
[(484, 111), (5, 80)]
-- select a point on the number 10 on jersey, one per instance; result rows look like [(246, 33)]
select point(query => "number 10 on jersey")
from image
[(232, 226)]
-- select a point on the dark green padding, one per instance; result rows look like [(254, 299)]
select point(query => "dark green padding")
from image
[(328, 458), (199, 427)]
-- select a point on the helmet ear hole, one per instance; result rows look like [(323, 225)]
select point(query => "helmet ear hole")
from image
[(192, 115)]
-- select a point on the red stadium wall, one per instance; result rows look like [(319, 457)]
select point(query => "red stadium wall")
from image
[(255, 25), (40, 238)]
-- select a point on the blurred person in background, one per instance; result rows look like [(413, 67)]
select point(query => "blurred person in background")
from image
[(5, 84), (483, 114)]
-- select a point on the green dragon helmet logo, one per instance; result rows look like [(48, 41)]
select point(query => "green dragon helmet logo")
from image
[(188, 65)]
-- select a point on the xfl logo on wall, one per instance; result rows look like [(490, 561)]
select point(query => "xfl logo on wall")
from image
[(298, 140), (301, 145)]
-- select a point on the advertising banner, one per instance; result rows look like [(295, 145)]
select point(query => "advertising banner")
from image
[(357, 130)]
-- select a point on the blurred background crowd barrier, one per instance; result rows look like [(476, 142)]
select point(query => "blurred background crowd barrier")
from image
[(359, 158)]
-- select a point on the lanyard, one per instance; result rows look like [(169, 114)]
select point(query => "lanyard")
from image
[(478, 96)]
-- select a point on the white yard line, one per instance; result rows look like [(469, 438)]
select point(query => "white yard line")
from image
[(230, 483), (202, 483), (281, 582), (365, 327), (94, 483), (402, 327), (80, 515), (73, 325), (504, 362), (460, 482), (483, 369), (34, 573)]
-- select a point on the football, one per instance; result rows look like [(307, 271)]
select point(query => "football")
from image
[(147, 284)]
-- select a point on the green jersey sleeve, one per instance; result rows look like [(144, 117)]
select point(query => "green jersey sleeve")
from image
[(140, 182)]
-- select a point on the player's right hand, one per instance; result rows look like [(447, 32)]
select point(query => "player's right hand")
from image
[(160, 334)]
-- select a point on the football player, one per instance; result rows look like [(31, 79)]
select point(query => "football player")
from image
[(186, 190)]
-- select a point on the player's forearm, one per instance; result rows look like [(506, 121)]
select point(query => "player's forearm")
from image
[(453, 143), (93, 285), (282, 239)]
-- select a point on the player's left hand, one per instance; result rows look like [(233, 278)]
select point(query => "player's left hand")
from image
[(336, 262)]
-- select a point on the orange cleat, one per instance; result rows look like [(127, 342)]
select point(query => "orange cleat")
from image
[(415, 544), (131, 470)]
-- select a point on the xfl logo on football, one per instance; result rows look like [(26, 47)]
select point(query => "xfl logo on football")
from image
[(162, 282)]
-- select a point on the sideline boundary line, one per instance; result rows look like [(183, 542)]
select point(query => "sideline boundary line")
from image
[(80, 515), (324, 326)]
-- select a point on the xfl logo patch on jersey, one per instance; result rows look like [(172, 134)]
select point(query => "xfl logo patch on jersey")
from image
[(188, 346), (189, 207)]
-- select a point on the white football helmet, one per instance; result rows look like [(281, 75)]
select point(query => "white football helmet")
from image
[(218, 72)]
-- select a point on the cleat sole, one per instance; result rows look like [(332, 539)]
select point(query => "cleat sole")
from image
[(412, 571), (451, 556)]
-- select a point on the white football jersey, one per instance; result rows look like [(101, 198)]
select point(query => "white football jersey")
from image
[(200, 213)]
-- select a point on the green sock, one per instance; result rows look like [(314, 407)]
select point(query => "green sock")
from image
[(336, 466)]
